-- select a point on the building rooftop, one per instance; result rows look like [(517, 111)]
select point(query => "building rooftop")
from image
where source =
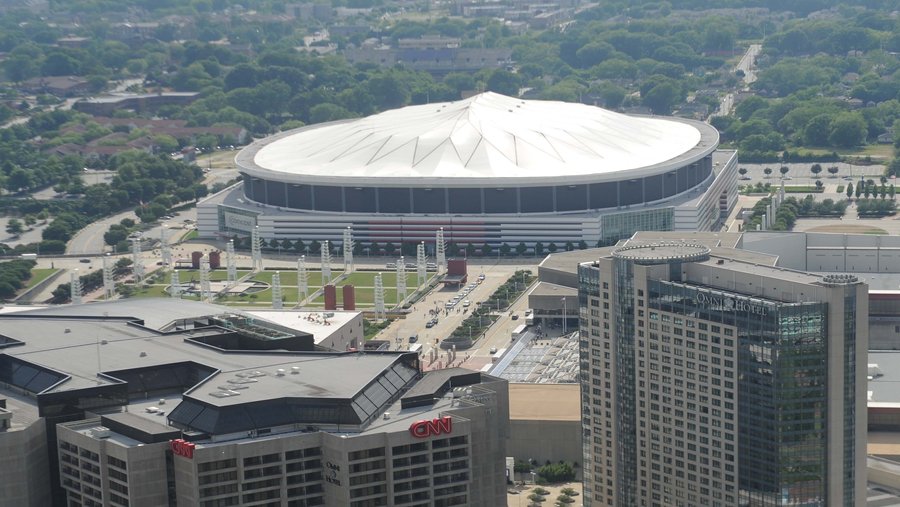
[(314, 323), (208, 364), (659, 252), (552, 289), (547, 402), (488, 137), (884, 378)]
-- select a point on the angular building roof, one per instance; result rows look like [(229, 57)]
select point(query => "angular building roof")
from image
[(484, 139)]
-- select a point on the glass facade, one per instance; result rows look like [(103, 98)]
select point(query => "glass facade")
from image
[(479, 200), (626, 459), (782, 388), (616, 226), (849, 394), (588, 285)]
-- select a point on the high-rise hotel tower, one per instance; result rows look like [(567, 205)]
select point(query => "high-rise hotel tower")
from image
[(711, 377)]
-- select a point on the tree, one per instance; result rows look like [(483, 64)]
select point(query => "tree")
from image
[(833, 170), (662, 97), (742, 171), (784, 170), (816, 169), (505, 249), (849, 190), (867, 191), (14, 226), (552, 247), (882, 191), (819, 184), (504, 82), (859, 189), (768, 172), (115, 235), (847, 130), (522, 248)]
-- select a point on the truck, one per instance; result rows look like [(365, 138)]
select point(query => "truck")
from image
[(416, 347), (31, 256)]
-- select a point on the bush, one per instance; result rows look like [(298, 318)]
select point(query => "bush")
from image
[(876, 207), (557, 472)]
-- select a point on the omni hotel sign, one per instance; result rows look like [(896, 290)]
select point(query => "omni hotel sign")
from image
[(727, 304)]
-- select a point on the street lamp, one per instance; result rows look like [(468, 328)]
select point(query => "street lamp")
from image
[(565, 314)]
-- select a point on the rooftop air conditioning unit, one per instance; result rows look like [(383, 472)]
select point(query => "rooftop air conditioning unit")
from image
[(100, 432)]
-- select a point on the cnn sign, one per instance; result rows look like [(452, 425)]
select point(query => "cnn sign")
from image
[(422, 429), (182, 448)]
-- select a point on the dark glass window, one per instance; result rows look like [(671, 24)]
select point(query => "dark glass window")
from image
[(571, 198), (427, 200), (393, 200), (604, 195), (537, 199)]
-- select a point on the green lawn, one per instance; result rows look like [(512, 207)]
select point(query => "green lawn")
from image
[(876, 151), (365, 297), (38, 275), (363, 281), (389, 279), (289, 277), (218, 275), (152, 291)]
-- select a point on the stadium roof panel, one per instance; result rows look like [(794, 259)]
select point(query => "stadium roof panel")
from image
[(483, 138)]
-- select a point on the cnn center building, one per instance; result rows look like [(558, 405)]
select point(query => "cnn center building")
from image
[(489, 169)]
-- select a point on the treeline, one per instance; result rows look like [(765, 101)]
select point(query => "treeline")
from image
[(13, 276)]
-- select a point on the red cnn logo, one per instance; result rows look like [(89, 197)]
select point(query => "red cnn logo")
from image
[(422, 429), (182, 448)]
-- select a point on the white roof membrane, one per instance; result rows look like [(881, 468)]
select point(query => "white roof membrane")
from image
[(487, 137)]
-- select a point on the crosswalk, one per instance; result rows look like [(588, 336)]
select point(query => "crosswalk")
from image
[(879, 497)]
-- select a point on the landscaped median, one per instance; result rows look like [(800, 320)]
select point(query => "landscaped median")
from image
[(484, 315)]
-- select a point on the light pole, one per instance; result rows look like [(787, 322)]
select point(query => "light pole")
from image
[(565, 314)]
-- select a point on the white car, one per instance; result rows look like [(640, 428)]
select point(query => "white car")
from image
[(466, 303)]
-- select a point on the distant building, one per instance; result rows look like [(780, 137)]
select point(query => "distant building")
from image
[(61, 86), (433, 60), (107, 105)]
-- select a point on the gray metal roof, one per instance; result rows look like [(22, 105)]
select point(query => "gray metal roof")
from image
[(63, 349)]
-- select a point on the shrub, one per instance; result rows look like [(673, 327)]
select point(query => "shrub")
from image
[(557, 472)]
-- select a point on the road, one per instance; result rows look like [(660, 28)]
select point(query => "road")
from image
[(67, 104), (496, 337), (89, 241), (747, 64)]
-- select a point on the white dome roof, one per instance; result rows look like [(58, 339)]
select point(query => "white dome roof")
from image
[(488, 137)]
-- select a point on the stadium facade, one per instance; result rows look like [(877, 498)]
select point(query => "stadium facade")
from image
[(164, 402), (490, 169)]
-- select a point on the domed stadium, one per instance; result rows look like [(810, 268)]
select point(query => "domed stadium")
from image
[(488, 169)]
